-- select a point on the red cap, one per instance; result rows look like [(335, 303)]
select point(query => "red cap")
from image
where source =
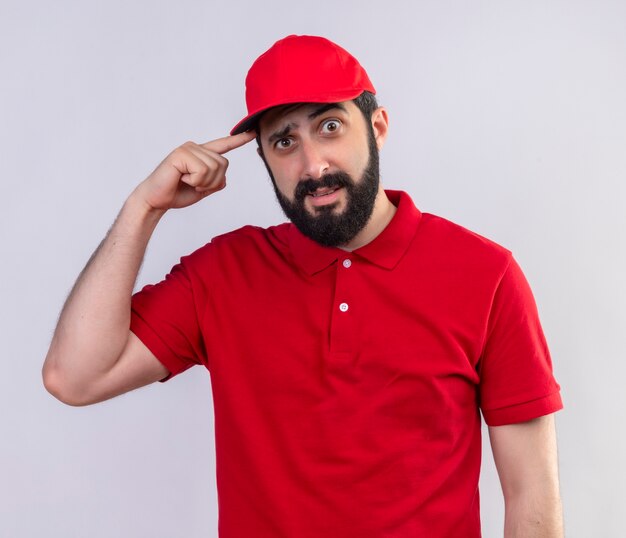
[(301, 69)]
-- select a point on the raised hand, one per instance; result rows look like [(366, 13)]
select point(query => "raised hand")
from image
[(190, 173)]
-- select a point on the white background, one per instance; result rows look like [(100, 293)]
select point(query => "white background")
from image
[(507, 117)]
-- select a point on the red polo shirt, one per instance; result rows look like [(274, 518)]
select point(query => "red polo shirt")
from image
[(347, 386)]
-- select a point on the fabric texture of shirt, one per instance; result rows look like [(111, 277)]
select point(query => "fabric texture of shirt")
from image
[(347, 386)]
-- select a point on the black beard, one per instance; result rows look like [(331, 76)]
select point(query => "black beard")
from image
[(326, 227)]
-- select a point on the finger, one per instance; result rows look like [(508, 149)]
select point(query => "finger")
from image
[(211, 158), (228, 143), (192, 169), (215, 164)]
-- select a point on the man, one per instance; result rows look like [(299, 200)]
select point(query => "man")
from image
[(350, 351)]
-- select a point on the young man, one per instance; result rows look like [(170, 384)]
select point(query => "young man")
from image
[(351, 350)]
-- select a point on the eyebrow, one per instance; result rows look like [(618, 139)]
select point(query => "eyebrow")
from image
[(277, 135), (282, 133), (325, 108)]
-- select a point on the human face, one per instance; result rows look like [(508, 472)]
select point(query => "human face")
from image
[(323, 162)]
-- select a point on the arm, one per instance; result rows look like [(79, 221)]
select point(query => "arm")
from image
[(93, 355), (526, 458)]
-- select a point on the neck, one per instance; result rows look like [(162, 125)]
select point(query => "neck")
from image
[(382, 214)]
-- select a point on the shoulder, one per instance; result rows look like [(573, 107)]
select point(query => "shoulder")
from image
[(454, 234), (249, 234), (452, 242), (437, 238), (241, 245)]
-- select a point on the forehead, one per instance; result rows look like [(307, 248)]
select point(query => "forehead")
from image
[(278, 116)]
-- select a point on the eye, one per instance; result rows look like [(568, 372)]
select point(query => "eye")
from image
[(331, 126), (284, 143)]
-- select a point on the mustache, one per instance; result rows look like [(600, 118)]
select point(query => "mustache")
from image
[(336, 179)]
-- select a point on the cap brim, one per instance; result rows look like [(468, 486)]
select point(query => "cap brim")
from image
[(249, 122)]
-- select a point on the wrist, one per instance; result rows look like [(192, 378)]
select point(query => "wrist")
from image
[(137, 206)]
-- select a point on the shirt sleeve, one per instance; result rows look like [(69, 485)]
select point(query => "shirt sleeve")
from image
[(516, 378), (164, 317)]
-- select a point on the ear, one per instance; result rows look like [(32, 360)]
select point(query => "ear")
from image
[(380, 124)]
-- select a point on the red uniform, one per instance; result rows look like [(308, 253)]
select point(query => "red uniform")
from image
[(347, 387)]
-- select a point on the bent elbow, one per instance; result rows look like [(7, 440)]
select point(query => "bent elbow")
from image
[(58, 386)]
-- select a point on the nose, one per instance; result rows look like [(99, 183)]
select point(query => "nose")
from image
[(314, 162)]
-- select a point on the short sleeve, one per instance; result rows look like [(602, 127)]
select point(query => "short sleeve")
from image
[(164, 317), (516, 377)]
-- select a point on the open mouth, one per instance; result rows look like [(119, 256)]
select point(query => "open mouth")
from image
[(323, 192), (324, 196)]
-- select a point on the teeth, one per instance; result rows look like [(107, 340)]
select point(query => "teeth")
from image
[(322, 193)]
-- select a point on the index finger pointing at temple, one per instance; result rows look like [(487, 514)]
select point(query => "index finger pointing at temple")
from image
[(227, 143)]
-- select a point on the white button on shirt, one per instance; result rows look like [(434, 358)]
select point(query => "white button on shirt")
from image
[(343, 307), (347, 263)]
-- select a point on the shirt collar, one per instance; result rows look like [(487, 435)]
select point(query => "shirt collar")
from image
[(385, 250)]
